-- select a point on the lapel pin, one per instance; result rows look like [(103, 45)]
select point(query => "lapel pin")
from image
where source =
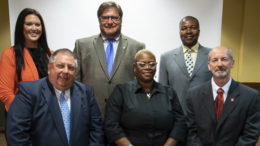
[(124, 47), (232, 99)]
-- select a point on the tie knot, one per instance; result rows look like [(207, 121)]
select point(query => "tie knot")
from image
[(111, 40), (189, 50), (62, 95), (220, 91)]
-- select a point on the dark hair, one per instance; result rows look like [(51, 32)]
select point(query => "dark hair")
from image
[(19, 40), (109, 4), (190, 17)]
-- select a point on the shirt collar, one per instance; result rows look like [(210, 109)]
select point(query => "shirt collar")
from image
[(194, 48), (138, 88), (58, 92), (215, 87), (105, 39)]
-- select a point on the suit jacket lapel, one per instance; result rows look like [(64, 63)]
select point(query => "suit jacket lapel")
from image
[(122, 46), (53, 105), (75, 99), (208, 101), (202, 57), (100, 51), (180, 61), (229, 104)]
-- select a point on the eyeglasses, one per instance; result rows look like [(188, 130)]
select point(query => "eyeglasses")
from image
[(143, 64), (113, 18)]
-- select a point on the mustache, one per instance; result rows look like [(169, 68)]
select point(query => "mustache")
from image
[(220, 68)]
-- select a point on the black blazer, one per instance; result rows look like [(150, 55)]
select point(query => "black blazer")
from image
[(239, 122), (34, 117)]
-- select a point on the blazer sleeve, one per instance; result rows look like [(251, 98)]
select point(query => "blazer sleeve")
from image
[(77, 53), (8, 77), (114, 106), (251, 128), (163, 75), (19, 121), (192, 138), (96, 133), (179, 129)]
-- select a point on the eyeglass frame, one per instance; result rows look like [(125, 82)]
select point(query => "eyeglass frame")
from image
[(113, 18), (151, 64)]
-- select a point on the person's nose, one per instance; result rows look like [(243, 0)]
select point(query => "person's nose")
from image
[(220, 63), (65, 69), (189, 30), (34, 27), (110, 21)]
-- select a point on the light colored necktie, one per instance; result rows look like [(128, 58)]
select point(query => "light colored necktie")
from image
[(110, 56), (65, 112), (219, 102), (189, 62)]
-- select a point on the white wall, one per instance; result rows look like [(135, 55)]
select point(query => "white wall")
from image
[(154, 22)]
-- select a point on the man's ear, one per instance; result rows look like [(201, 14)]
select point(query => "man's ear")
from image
[(49, 68)]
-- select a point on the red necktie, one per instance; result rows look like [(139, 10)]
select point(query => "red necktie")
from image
[(219, 102)]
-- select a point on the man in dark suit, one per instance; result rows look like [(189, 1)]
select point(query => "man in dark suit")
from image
[(56, 110), (99, 67), (222, 112), (186, 66)]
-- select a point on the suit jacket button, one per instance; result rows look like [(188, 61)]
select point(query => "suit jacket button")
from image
[(109, 82), (105, 100)]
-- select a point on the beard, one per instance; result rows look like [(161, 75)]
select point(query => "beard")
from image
[(111, 34), (220, 72)]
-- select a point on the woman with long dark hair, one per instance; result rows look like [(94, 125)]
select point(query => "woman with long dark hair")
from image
[(27, 60)]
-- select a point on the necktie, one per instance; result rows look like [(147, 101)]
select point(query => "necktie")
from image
[(65, 112), (110, 56), (189, 62), (219, 102)]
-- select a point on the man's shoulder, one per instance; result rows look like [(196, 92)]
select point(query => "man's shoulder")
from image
[(203, 48), (83, 87), (246, 89), (171, 52), (87, 39), (200, 87), (131, 40)]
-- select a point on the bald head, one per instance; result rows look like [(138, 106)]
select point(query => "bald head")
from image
[(221, 49)]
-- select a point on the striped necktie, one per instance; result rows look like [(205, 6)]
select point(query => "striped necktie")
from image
[(189, 62)]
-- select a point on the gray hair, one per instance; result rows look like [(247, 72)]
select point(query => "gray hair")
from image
[(63, 51), (109, 4), (230, 54)]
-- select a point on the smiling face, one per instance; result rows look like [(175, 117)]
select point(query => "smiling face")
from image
[(32, 30), (110, 23), (220, 63), (61, 72), (189, 32), (145, 67)]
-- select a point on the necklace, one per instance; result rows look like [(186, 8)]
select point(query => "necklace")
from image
[(148, 95)]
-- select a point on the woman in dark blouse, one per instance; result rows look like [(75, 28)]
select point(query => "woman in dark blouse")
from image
[(143, 112), (27, 60)]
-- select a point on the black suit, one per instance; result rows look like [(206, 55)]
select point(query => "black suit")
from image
[(239, 122), (34, 117)]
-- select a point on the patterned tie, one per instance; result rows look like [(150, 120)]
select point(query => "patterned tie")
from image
[(110, 56), (189, 62), (65, 114), (219, 102)]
